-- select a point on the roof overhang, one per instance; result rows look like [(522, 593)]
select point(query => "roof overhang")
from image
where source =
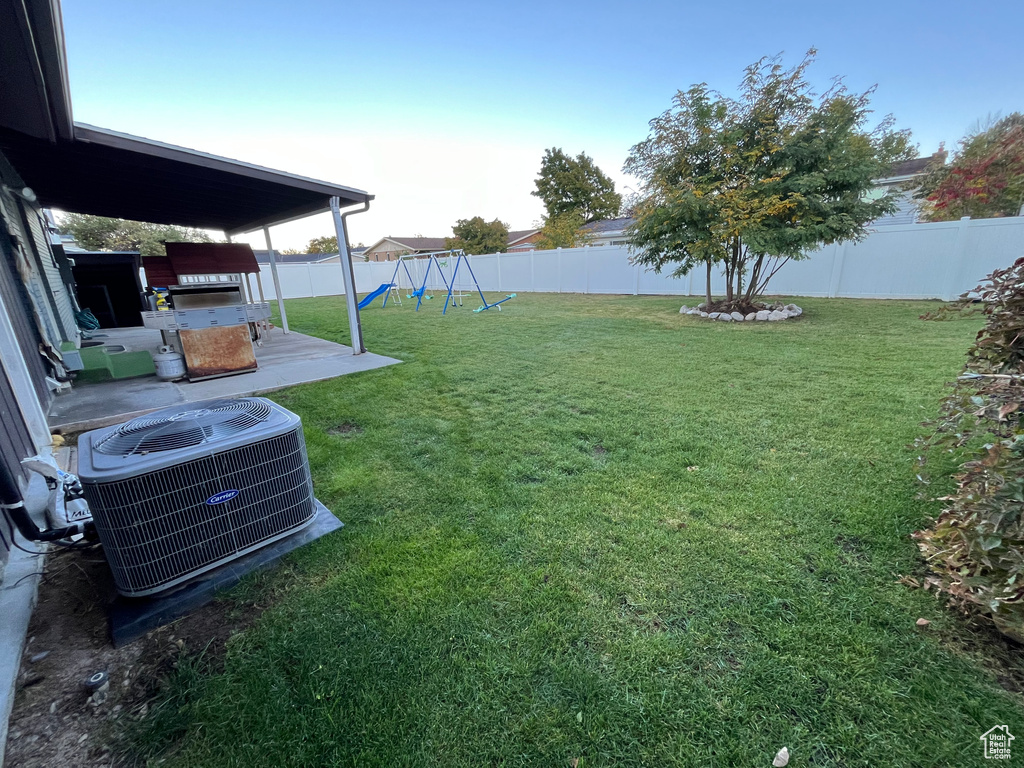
[(34, 93), (106, 173)]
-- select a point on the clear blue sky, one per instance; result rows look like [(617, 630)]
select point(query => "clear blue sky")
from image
[(443, 110)]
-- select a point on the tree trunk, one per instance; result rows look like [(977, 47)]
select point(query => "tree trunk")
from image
[(728, 281), (755, 278), (707, 287), (737, 249)]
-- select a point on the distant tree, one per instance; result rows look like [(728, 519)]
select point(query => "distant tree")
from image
[(477, 236), (984, 180), (325, 244), (290, 251), (627, 208), (752, 182), (570, 184), (563, 231), (99, 233)]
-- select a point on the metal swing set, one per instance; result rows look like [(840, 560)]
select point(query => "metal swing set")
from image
[(455, 294)]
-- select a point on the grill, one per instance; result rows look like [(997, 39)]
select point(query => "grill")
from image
[(182, 491)]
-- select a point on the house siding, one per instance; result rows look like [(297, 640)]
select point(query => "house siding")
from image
[(34, 264)]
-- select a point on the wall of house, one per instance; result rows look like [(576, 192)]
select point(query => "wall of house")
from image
[(27, 317), (916, 261), (386, 251), (907, 211)]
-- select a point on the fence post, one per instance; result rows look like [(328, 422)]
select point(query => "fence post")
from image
[(957, 258), (309, 276), (586, 268), (533, 277), (558, 257), (636, 278), (497, 259)]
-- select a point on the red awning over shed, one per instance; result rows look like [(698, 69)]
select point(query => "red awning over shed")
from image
[(211, 258)]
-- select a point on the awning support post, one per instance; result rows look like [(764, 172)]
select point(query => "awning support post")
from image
[(277, 280), (354, 326), (243, 278)]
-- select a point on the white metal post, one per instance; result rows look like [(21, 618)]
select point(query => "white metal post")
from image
[(277, 280), (351, 303)]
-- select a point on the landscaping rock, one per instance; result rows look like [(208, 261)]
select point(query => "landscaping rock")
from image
[(684, 310), (714, 315), (751, 316), (737, 317), (704, 314), (694, 312), (726, 318), (762, 315), (776, 315)]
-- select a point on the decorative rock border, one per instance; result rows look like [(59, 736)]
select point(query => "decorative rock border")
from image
[(771, 313)]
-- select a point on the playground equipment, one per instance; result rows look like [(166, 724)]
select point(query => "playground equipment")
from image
[(368, 299), (418, 289), (460, 256)]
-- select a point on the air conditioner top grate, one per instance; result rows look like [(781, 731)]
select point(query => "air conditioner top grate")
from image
[(171, 429)]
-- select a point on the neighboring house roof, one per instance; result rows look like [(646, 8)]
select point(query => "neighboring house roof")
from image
[(916, 167), (607, 226), (521, 234), (427, 244), (415, 243)]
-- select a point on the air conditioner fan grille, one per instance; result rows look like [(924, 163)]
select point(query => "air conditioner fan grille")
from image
[(170, 430)]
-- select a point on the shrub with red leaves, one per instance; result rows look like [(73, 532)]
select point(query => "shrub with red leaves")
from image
[(985, 178)]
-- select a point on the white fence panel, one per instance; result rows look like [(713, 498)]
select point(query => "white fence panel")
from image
[(545, 271), (516, 273), (610, 271), (810, 277), (650, 282), (572, 273), (987, 245), (487, 271), (913, 261), (908, 262)]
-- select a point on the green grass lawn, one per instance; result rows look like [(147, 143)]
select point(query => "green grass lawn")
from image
[(588, 527)]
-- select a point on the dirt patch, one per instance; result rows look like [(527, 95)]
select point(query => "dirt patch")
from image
[(599, 451), (346, 429), (852, 549), (56, 721), (673, 524)]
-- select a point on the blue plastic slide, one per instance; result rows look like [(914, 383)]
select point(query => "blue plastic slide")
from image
[(384, 288)]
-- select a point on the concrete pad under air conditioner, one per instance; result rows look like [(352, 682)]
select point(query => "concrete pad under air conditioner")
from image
[(133, 617)]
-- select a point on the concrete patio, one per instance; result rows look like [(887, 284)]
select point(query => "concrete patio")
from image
[(284, 361)]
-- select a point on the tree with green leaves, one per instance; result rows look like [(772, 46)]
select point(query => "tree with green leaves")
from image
[(569, 184), (563, 230), (99, 233), (985, 178), (325, 244), (477, 236), (750, 183)]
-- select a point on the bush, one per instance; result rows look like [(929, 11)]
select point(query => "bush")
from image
[(975, 548)]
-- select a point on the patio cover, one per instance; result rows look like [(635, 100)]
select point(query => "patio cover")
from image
[(107, 173)]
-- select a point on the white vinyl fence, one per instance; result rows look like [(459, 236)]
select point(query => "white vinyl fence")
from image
[(915, 261)]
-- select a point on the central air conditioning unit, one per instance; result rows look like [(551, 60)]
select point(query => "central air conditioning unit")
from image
[(183, 490)]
